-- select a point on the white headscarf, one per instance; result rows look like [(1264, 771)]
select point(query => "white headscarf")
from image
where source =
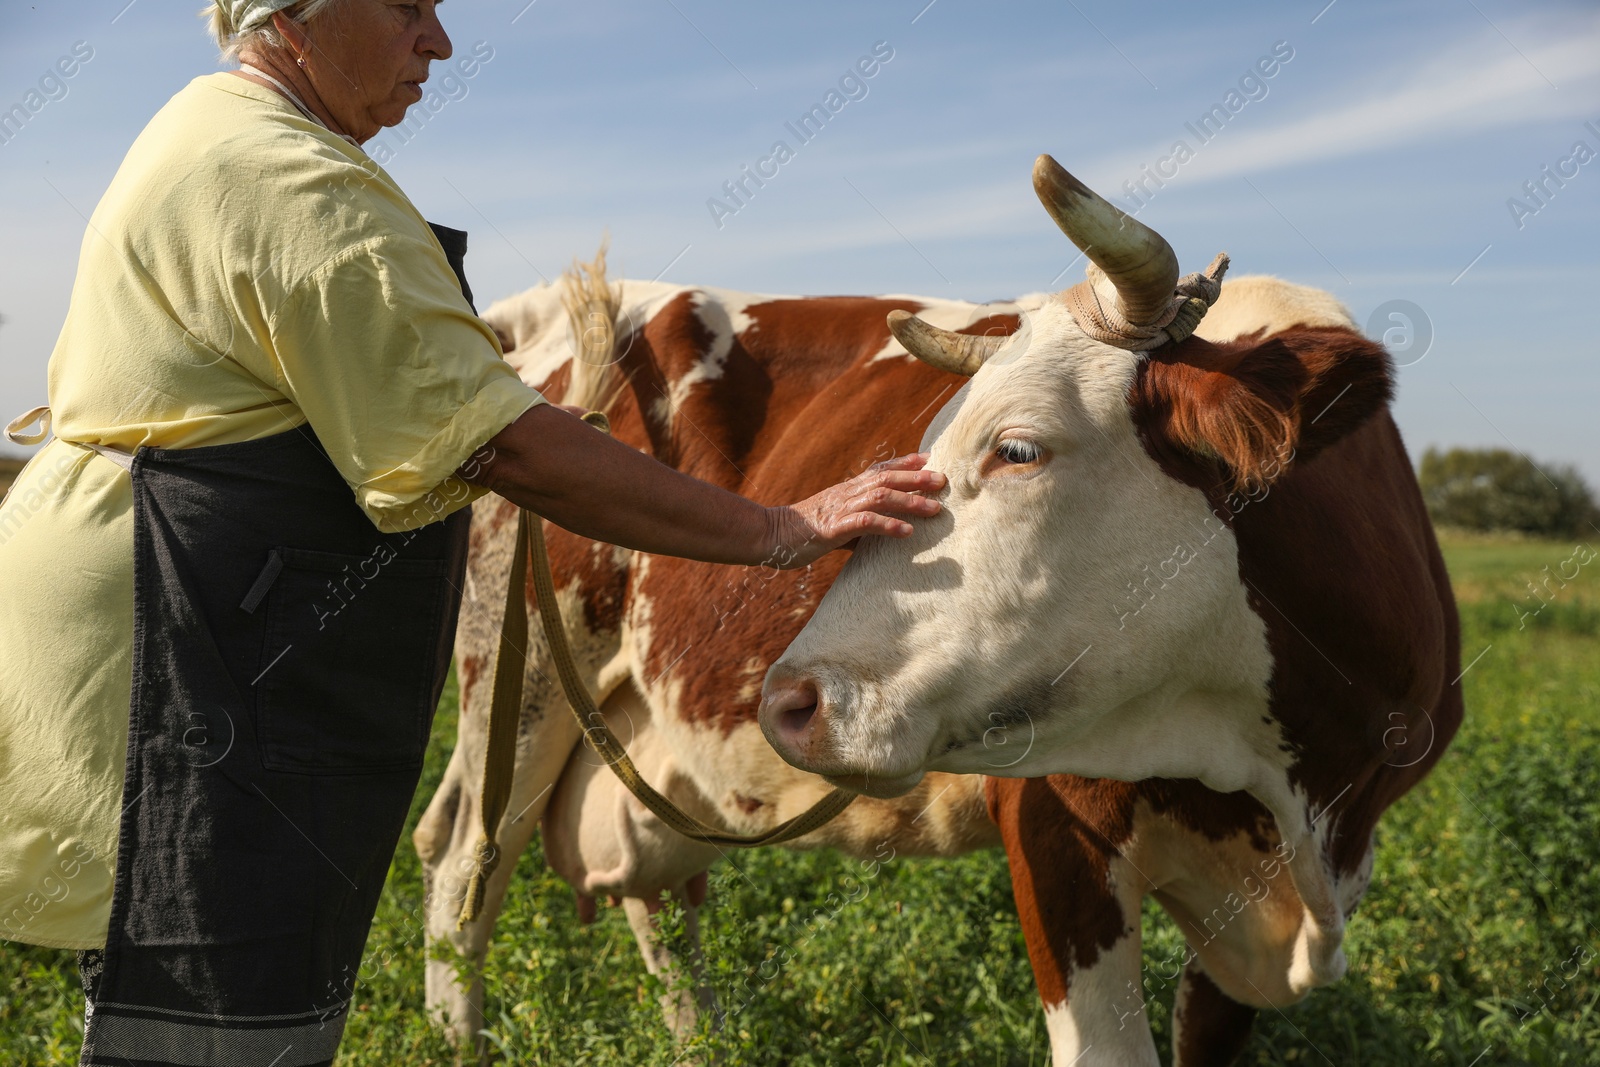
[(240, 17)]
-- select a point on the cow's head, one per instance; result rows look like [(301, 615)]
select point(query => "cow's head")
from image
[(1082, 583)]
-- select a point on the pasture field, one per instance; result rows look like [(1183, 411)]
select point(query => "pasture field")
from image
[(10, 467), (1478, 944)]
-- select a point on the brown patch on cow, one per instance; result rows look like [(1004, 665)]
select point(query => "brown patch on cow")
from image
[(1215, 816), (578, 563), (1060, 834), (641, 365), (469, 669), (500, 512), (748, 805), (554, 388), (1213, 1028), (601, 583), (1341, 562), (1239, 413)]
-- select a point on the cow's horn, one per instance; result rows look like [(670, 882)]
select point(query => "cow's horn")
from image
[(1136, 259), (958, 353)]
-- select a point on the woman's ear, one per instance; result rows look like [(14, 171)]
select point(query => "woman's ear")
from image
[(1256, 405), (292, 32)]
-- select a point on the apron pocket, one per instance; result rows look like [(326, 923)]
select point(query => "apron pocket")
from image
[(346, 682)]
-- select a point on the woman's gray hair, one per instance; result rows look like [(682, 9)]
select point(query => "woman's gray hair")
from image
[(232, 39)]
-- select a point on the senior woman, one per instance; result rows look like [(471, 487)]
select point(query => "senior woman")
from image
[(232, 578)]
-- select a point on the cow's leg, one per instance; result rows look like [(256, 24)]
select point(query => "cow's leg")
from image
[(1209, 1028), (683, 1001), (448, 834), (442, 884), (446, 839), (1078, 901), (1101, 1018)]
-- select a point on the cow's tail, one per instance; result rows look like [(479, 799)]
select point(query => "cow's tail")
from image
[(594, 308)]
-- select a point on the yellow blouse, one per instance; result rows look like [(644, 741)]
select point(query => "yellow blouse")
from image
[(246, 272)]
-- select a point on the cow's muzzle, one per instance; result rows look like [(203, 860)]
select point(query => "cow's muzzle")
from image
[(799, 725)]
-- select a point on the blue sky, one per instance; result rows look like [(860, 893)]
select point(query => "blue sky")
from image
[(1377, 162)]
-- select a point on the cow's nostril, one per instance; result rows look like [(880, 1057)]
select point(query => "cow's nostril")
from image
[(794, 721), (791, 708)]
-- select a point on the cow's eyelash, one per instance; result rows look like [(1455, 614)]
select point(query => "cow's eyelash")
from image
[(1017, 450)]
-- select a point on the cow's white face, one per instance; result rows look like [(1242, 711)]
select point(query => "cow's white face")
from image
[(1069, 596)]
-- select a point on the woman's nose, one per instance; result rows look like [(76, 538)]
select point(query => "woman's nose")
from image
[(435, 42)]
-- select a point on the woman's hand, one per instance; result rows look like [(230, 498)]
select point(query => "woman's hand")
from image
[(877, 501)]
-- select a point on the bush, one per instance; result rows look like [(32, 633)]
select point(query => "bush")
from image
[(1494, 489)]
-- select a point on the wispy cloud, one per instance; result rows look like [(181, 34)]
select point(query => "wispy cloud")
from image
[(1473, 85)]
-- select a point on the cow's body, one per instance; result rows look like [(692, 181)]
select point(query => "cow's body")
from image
[(778, 398)]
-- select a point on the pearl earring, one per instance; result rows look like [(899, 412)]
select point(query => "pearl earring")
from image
[(301, 62)]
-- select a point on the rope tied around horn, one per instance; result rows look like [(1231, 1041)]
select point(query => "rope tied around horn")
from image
[(1093, 303)]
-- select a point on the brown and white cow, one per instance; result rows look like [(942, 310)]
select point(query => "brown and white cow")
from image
[(778, 397), (1197, 591)]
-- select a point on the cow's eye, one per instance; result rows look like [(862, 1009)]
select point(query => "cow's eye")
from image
[(1015, 450)]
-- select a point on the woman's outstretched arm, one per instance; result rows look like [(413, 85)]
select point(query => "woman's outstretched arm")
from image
[(550, 462)]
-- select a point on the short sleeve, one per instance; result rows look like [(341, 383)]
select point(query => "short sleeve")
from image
[(399, 380)]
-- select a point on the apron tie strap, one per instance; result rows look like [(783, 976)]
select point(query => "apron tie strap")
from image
[(16, 429), (115, 455)]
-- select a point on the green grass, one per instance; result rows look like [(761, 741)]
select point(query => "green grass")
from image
[(1476, 945)]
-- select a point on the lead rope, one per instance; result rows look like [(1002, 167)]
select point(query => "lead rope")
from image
[(506, 709)]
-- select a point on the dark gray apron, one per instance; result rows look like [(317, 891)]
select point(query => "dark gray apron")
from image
[(287, 659)]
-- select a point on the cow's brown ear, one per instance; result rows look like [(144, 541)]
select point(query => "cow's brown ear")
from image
[(1256, 405)]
